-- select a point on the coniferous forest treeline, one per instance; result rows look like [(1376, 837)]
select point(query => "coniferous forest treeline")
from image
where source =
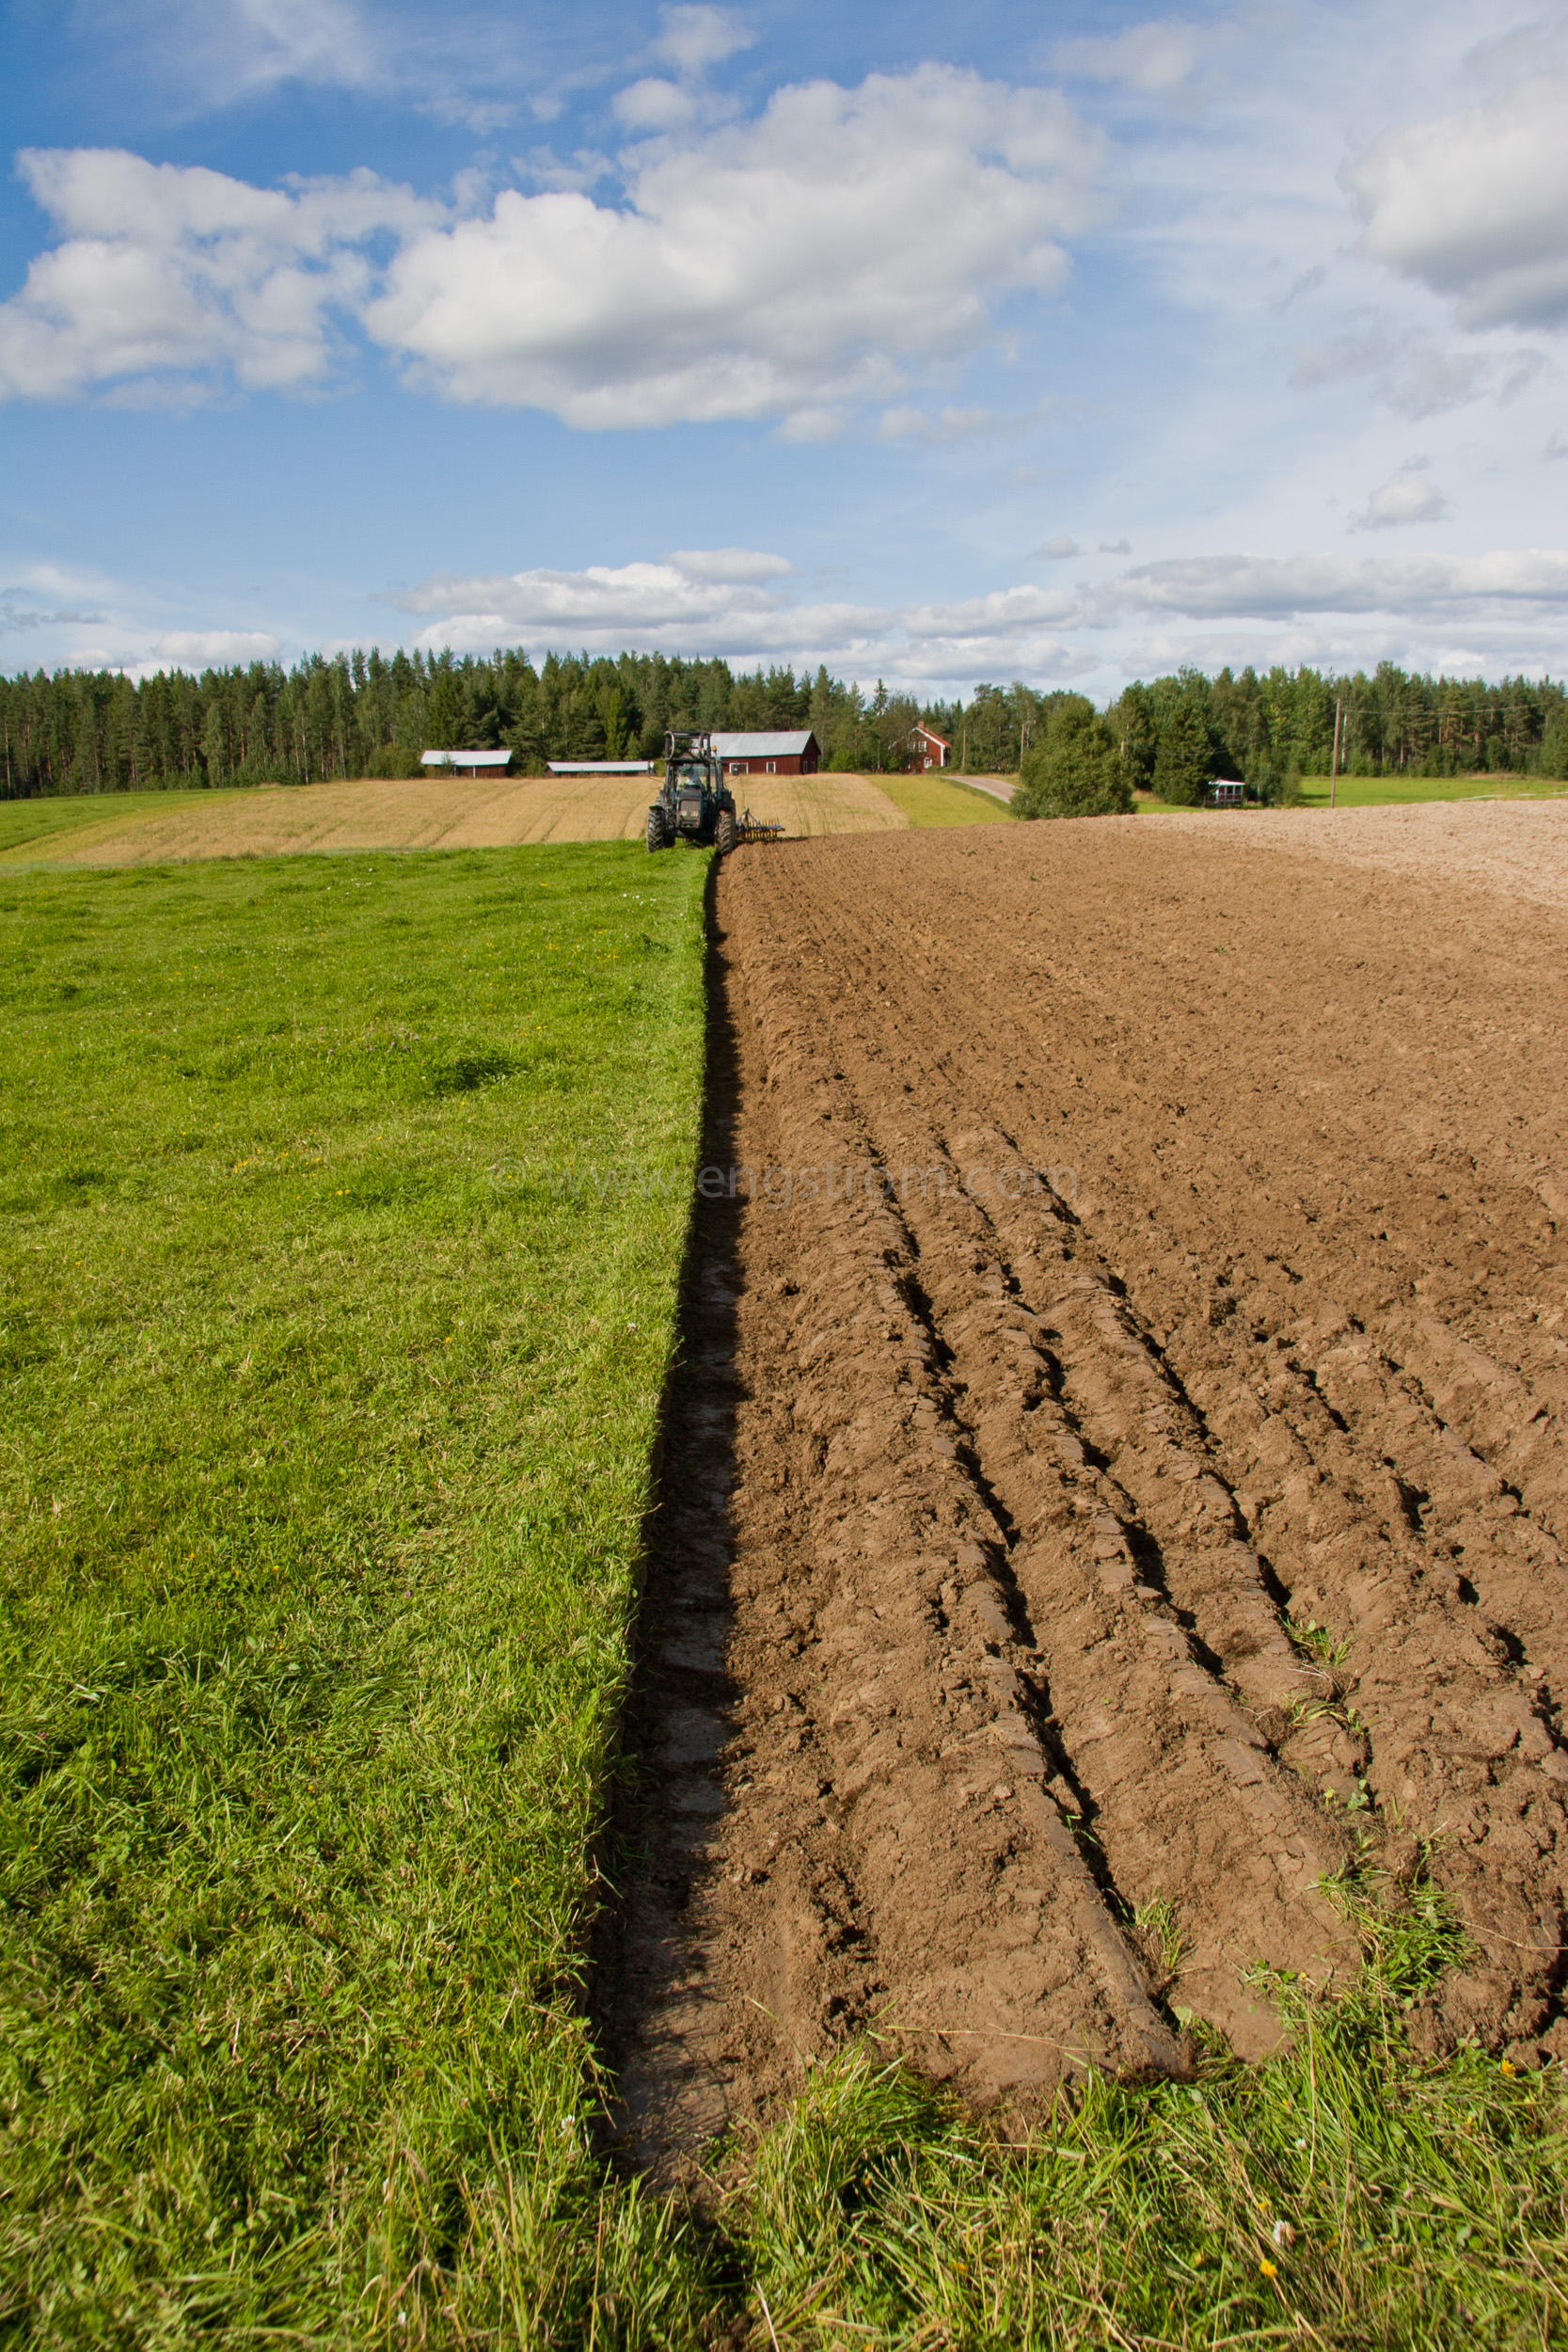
[(364, 714)]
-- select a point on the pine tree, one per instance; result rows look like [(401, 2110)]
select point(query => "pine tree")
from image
[(1181, 757)]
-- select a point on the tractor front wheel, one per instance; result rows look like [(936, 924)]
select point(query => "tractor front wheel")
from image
[(723, 832), (657, 837)]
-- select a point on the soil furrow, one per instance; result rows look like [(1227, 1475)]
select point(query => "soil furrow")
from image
[(1216, 1322), (1107, 1555), (1179, 1781)]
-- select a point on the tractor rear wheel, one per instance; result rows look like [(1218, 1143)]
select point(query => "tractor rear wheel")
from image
[(656, 835), (724, 833)]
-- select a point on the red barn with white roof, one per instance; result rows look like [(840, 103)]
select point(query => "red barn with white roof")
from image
[(793, 753)]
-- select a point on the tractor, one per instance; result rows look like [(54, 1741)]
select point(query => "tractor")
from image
[(694, 802)]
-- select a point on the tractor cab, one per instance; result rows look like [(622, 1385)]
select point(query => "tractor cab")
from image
[(695, 803)]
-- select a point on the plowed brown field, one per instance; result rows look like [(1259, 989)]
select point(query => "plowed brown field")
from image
[(1118, 1475)]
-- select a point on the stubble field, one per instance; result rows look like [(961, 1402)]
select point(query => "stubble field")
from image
[(439, 813)]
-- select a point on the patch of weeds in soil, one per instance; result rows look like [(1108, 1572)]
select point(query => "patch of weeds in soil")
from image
[(1315, 1641), (1161, 1929), (1344, 2193), (1407, 1926)]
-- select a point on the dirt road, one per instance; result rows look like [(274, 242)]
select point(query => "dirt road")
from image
[(1119, 1474)]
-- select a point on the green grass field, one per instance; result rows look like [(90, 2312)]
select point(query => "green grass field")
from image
[(329, 1403), (1399, 791), (325, 1446), (935, 800), (1393, 792)]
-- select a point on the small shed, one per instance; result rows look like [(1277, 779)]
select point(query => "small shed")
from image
[(470, 763), (794, 753), (600, 766), (1227, 793), (926, 749)]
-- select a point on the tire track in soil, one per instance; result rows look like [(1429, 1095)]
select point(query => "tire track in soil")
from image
[(1002, 1637)]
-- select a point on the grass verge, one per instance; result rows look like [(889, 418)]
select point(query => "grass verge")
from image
[(1343, 2194), (327, 1431)]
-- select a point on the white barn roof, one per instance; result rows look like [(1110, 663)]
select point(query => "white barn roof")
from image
[(791, 746), (465, 759)]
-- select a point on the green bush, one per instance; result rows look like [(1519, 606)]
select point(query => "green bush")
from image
[(1075, 770), (391, 760)]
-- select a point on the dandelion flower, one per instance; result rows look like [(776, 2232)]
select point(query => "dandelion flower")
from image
[(1268, 2270)]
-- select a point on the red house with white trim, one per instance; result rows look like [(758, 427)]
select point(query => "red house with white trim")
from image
[(925, 748)]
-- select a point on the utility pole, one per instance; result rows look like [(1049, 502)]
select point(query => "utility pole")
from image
[(1334, 758)]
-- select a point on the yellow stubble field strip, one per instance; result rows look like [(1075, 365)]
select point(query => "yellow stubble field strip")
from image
[(444, 813)]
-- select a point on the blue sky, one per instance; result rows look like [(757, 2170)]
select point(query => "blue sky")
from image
[(1058, 341)]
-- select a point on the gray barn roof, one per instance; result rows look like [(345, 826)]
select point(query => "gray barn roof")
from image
[(789, 746)]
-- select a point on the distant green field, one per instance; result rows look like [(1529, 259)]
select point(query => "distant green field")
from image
[(1381, 791), (942, 801), (1398, 792), (326, 1430)]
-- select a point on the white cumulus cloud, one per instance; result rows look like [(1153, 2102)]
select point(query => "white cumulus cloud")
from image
[(746, 564), (1474, 205), (169, 274), (821, 254), (210, 649), (1409, 495), (849, 241), (682, 598), (192, 649), (729, 601), (655, 104), (695, 38)]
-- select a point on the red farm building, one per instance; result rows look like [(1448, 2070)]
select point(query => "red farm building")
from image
[(925, 748)]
